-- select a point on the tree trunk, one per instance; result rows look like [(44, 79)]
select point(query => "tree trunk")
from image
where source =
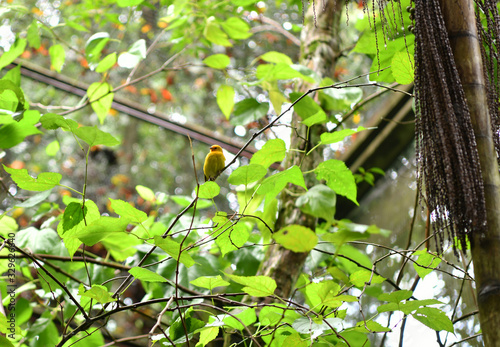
[(319, 48), (461, 25)]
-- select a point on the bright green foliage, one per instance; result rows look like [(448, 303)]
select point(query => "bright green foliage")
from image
[(337, 136), (209, 282), (248, 110), (272, 185), (209, 190), (146, 275), (44, 181), (273, 151), (296, 238), (225, 99), (338, 177), (319, 201), (97, 292), (101, 98), (145, 193), (173, 249), (425, 263), (247, 174), (15, 51), (217, 61), (255, 285), (125, 210)]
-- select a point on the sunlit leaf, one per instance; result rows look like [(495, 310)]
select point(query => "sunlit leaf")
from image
[(319, 201), (172, 248), (247, 174), (44, 181), (124, 209), (273, 151), (146, 275), (258, 286), (57, 57), (225, 99), (209, 190), (338, 177), (217, 61), (296, 238)]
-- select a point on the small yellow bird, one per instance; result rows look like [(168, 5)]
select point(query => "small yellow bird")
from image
[(214, 163)]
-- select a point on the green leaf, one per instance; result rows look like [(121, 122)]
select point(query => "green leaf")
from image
[(107, 63), (33, 35), (125, 210), (97, 292), (412, 305), (338, 177), (210, 282), (345, 231), (94, 136), (276, 57), (274, 184), (146, 275), (225, 99), (207, 335), (236, 28), (426, 262), (128, 3), (363, 276), (73, 215), (397, 296), (14, 75), (246, 315), (208, 190), (434, 319), (134, 55), (272, 152), (51, 121), (172, 248), (101, 228), (370, 327), (15, 51), (258, 286), (101, 98), (403, 66), (185, 201), (231, 239), (44, 181), (217, 61), (247, 174), (33, 200), (180, 328), (280, 71), (52, 148), (214, 33), (145, 193), (44, 241), (340, 135), (323, 293), (14, 133), (319, 201), (296, 238), (307, 107), (305, 325), (76, 26), (248, 110), (94, 46), (11, 98), (339, 99), (57, 57)]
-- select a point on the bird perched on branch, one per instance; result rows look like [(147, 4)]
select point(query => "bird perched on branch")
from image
[(214, 163)]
